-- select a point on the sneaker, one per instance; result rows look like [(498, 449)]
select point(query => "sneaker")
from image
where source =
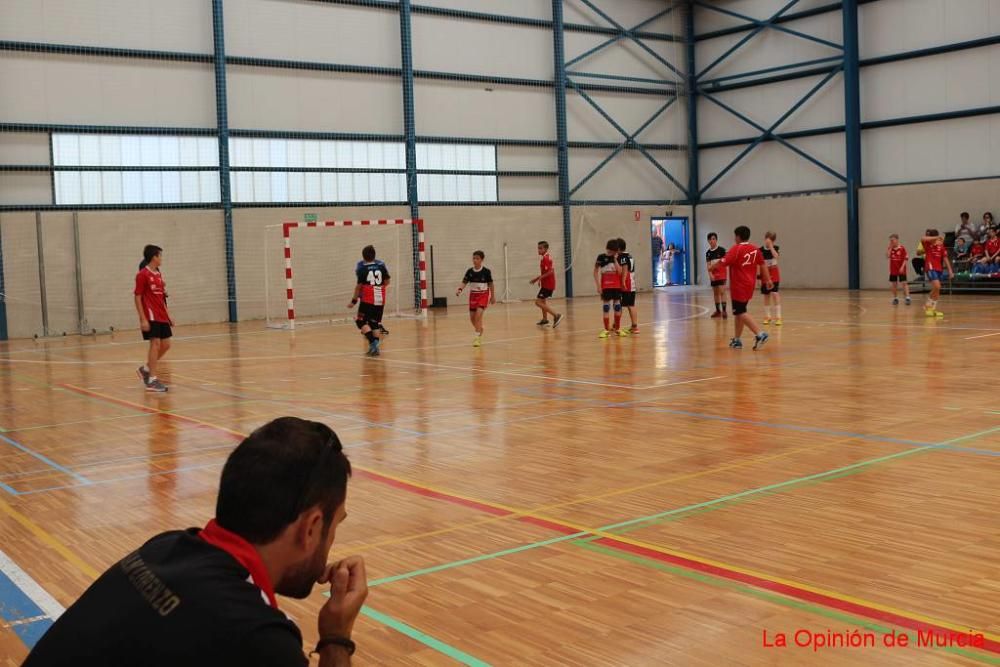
[(622, 333), (634, 329), (767, 320), (556, 321), (907, 301), (929, 312), (477, 341), (716, 314), (154, 385), (759, 340), (725, 315), (604, 333), (736, 344), (143, 374), (938, 313), (542, 323), (777, 323), (373, 347), (383, 330), (895, 302)]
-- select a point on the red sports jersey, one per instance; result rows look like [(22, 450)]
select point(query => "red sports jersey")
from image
[(628, 277), (897, 261), (608, 268), (992, 246), (743, 260), (977, 249), (149, 286), (546, 265), (772, 264), (372, 277), (935, 257)]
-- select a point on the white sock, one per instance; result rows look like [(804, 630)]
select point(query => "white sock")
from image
[(767, 312), (777, 312)]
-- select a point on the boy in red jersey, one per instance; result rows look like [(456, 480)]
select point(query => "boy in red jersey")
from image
[(608, 279), (745, 263), (936, 260), (151, 304), (547, 279), (481, 295), (771, 255), (627, 263), (896, 254), (717, 274), (373, 281)]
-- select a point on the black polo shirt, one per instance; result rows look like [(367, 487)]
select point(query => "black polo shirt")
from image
[(176, 602)]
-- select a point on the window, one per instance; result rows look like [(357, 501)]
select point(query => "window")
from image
[(158, 185), (456, 187)]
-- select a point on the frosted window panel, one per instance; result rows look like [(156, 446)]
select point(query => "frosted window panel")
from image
[(66, 150), (362, 191), (68, 187), (261, 153), (152, 187), (279, 187), (435, 185), (421, 156), (170, 151), (490, 185), (242, 186), (489, 157), (90, 150), (209, 186), (359, 155), (311, 153), (208, 152), (464, 188), (131, 187), (190, 188), (423, 187), (296, 154), (278, 157), (189, 152), (343, 156), (149, 152), (329, 153), (296, 186), (261, 187), (476, 161), (329, 188), (375, 156), (478, 188), (376, 187), (314, 188), (395, 186), (394, 156), (448, 158), (345, 187), (433, 157), (171, 183), (111, 151), (131, 151), (463, 157), (111, 187), (240, 152), (450, 187), (90, 187)]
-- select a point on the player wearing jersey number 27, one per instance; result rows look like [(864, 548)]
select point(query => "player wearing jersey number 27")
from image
[(745, 262)]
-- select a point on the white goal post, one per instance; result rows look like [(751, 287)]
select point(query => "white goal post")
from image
[(331, 255)]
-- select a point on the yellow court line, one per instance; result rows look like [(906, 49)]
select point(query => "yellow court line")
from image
[(49, 539)]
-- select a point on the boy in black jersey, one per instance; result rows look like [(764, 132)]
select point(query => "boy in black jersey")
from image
[(481, 295), (714, 253), (627, 262), (608, 279), (373, 281)]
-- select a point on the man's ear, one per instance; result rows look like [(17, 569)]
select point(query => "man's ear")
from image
[(310, 528)]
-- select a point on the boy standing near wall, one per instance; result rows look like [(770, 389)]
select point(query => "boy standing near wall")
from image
[(547, 285), (717, 274), (150, 295), (608, 280), (896, 254), (745, 263)]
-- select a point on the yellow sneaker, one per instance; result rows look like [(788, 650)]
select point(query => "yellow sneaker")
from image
[(622, 333), (777, 323), (929, 312), (604, 334), (767, 320), (477, 341), (938, 313)]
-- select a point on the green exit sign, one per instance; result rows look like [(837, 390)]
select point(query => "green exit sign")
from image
[(309, 217)]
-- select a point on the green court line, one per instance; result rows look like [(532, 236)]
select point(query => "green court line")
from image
[(771, 597), (423, 638)]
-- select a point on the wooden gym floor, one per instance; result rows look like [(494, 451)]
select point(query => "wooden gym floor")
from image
[(552, 498)]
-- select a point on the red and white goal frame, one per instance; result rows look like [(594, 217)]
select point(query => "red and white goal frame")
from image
[(421, 257)]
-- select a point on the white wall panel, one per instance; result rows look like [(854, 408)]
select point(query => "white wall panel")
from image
[(312, 31), (25, 187), (446, 108), (707, 20), (178, 25), (766, 103), (771, 167), (626, 12), (771, 48), (313, 101), (961, 148), (513, 158), (535, 9), (447, 44), (628, 176), (624, 56), (105, 91), (894, 26), (24, 148), (630, 112), (947, 82)]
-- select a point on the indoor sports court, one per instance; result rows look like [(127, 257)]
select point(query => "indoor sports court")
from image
[(777, 445)]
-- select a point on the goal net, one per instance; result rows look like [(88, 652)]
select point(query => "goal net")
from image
[(309, 269)]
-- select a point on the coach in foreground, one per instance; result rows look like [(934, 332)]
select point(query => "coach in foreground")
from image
[(207, 597)]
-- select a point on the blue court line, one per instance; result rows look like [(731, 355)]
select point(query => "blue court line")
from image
[(44, 459), (124, 478), (16, 606)]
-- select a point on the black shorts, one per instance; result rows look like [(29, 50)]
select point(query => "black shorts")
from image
[(611, 295), (898, 279), (628, 299), (739, 307), (370, 314), (718, 283), (157, 330), (765, 291), (544, 293)]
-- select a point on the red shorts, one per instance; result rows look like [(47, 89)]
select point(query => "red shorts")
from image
[(479, 300)]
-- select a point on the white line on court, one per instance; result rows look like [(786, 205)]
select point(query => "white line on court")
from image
[(30, 587), (983, 336)]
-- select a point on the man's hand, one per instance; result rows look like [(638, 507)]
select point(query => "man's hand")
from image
[(348, 590), (769, 285), (533, 281)]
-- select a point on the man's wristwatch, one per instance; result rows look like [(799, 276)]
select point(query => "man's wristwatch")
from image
[(333, 640)]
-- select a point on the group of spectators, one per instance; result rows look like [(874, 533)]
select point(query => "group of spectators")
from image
[(977, 246)]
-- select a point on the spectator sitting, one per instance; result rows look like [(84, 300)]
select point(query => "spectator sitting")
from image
[(207, 596), (990, 262), (961, 252), (966, 230), (988, 224)]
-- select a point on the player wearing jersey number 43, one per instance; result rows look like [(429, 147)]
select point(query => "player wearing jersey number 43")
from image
[(479, 280), (745, 263), (371, 287)]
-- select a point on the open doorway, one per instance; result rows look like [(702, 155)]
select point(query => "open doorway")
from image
[(671, 259)]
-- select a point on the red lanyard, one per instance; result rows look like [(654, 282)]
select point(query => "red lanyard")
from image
[(245, 555)]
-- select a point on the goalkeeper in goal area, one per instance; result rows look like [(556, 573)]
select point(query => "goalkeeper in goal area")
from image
[(370, 290)]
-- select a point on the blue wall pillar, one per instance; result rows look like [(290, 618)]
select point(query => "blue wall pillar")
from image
[(562, 138), (852, 139), (410, 130), (694, 183), (222, 124)]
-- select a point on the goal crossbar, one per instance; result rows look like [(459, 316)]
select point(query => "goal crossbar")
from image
[(420, 294)]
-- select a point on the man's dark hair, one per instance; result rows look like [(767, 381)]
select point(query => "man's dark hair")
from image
[(280, 470), (368, 253), (544, 244), (621, 243), (932, 232), (964, 215), (742, 233), (713, 235), (480, 254), (612, 244), (149, 252)]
